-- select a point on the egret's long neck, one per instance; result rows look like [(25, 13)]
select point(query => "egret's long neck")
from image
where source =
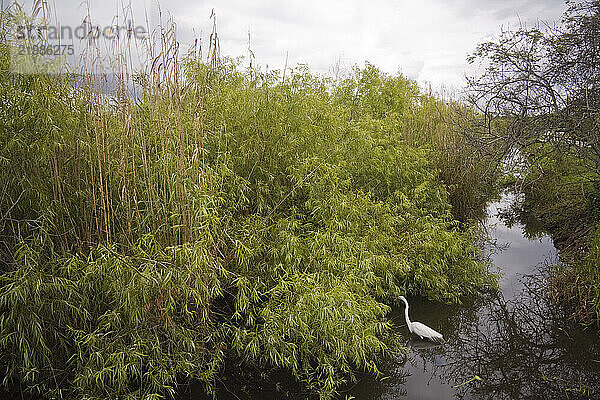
[(406, 316)]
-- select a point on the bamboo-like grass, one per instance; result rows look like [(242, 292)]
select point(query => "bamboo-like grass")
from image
[(222, 212)]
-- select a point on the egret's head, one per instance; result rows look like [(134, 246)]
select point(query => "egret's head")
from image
[(403, 299)]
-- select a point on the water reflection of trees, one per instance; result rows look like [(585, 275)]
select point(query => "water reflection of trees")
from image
[(525, 349), (425, 356)]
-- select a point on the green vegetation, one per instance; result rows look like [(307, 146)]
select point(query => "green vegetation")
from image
[(560, 198), (224, 213), (579, 284)]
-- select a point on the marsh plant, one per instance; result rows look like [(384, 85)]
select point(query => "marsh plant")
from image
[(223, 213)]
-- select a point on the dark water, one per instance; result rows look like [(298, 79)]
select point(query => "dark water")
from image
[(513, 344), (516, 342)]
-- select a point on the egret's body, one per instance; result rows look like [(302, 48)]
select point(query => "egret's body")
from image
[(422, 330)]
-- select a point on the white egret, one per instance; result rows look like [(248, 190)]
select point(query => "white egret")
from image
[(422, 330)]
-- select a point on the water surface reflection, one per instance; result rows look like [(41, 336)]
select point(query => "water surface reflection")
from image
[(514, 344), (525, 348)]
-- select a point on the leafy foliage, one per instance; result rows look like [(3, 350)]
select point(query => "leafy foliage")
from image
[(222, 213)]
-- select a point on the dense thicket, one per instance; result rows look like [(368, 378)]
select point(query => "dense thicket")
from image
[(223, 213)]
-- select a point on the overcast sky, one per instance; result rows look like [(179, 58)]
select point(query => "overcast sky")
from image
[(427, 40)]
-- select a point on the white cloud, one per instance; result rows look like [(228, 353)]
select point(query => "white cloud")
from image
[(428, 40)]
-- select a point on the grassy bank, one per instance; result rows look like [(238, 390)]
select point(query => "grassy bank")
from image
[(224, 212), (561, 198)]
